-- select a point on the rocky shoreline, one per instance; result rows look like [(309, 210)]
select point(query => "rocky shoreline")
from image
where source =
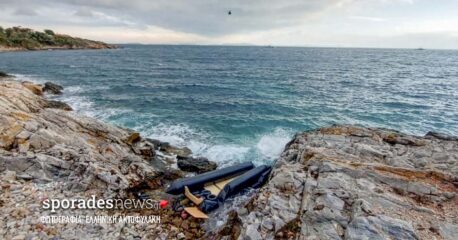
[(349, 182), (340, 182), (49, 152)]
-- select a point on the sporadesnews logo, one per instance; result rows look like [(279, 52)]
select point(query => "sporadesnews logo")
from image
[(108, 204)]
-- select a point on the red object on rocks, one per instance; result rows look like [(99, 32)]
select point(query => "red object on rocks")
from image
[(163, 203)]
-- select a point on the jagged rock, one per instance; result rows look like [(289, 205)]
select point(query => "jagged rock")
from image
[(347, 182), (231, 230), (195, 164), (157, 144), (58, 105), (8, 134), (180, 152), (25, 168), (252, 233), (379, 228), (52, 88), (145, 149), (448, 231), (35, 88), (132, 138), (441, 136)]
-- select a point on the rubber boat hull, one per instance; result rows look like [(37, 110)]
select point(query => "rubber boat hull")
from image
[(198, 182), (254, 178)]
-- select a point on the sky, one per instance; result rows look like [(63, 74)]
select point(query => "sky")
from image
[(320, 23)]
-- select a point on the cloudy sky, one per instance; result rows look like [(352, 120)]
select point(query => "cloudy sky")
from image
[(336, 23)]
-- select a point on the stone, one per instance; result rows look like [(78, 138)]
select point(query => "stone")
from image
[(181, 236), (179, 152), (40, 142), (52, 88), (441, 136), (381, 227), (58, 105), (132, 138), (34, 88), (195, 164), (23, 146), (448, 231), (252, 233), (8, 134)]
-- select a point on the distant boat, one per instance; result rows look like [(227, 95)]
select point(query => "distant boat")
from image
[(420, 49)]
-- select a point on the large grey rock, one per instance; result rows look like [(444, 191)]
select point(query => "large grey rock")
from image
[(58, 105), (52, 88), (347, 182), (380, 227), (195, 164), (448, 231)]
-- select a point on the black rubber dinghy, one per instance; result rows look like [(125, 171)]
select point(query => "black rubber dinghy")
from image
[(198, 182), (254, 178)]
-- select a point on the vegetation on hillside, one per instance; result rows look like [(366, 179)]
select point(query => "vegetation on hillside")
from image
[(26, 38)]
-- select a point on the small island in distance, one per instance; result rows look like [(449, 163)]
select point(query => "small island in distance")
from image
[(20, 39)]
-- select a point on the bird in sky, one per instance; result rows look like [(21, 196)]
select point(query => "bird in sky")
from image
[(229, 13)]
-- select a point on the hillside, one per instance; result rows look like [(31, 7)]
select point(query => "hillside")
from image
[(19, 38)]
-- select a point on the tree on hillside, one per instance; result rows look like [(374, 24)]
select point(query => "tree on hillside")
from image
[(9, 32), (49, 32)]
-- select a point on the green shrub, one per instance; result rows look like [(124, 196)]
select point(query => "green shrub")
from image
[(49, 32)]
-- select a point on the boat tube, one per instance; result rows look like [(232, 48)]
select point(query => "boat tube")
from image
[(199, 181), (253, 178)]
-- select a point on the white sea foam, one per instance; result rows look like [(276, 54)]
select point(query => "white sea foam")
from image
[(261, 150), (79, 104), (226, 155), (271, 145), (29, 78), (177, 134), (73, 89)]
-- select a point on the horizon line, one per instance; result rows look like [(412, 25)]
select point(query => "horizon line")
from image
[(278, 46)]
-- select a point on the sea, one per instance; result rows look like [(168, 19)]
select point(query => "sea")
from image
[(244, 103)]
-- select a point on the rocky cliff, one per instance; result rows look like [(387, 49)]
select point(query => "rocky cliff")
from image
[(347, 182)]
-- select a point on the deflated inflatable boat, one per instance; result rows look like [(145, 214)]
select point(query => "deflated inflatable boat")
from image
[(211, 189)]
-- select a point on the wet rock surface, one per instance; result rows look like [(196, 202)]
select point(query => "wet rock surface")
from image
[(58, 105), (348, 182), (195, 164), (52, 88)]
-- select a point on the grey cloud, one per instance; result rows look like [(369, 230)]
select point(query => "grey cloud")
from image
[(25, 12), (84, 13), (205, 17)]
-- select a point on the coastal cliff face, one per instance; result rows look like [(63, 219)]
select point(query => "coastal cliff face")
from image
[(347, 182)]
